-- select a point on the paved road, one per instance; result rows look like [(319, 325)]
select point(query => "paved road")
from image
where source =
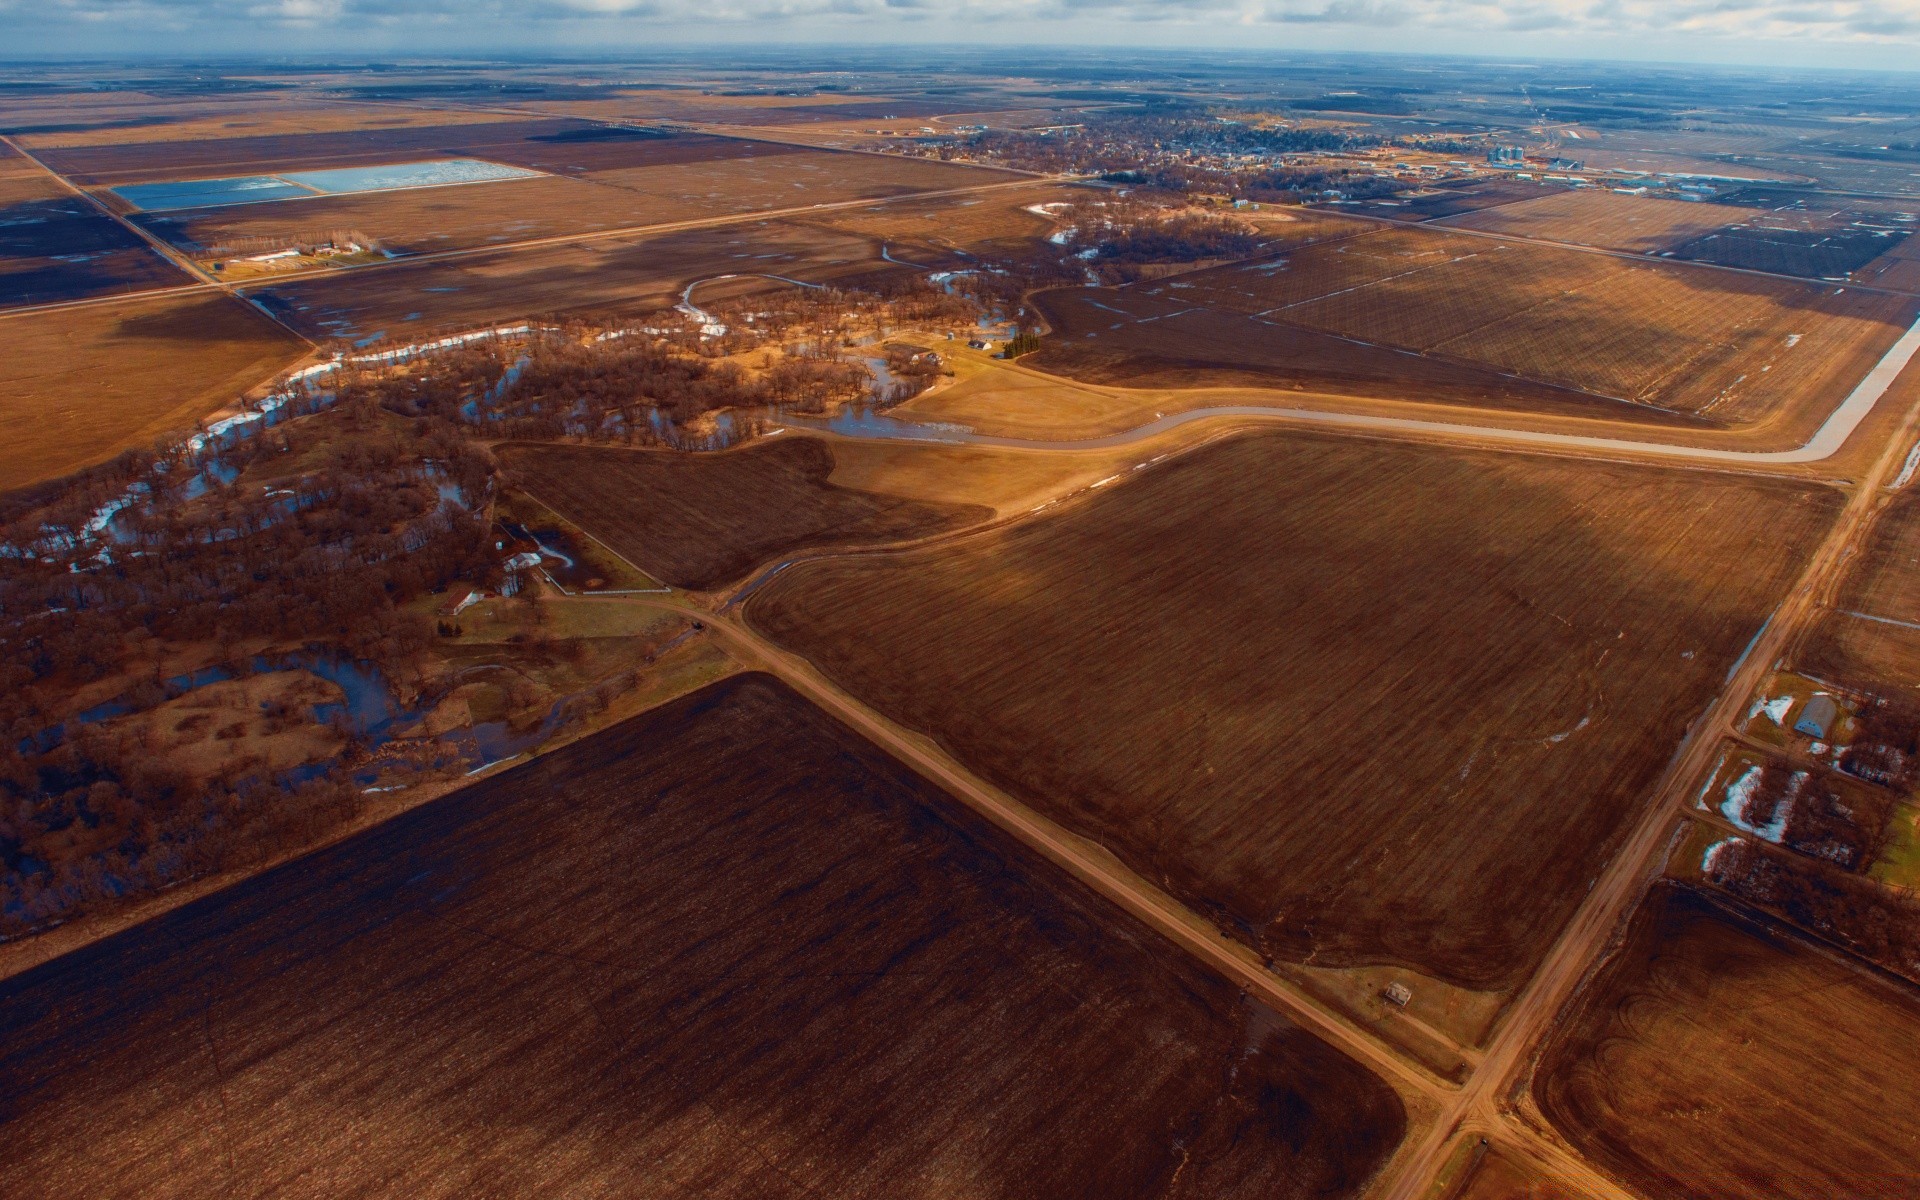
[(1825, 442), (242, 288), (1619, 887)]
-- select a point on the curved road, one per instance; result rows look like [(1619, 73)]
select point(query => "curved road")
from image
[(1825, 442)]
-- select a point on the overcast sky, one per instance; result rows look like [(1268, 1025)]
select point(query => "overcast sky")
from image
[(1879, 34)]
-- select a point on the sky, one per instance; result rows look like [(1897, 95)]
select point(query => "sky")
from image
[(1868, 34)]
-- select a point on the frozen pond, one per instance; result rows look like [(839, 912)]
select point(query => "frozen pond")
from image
[(208, 193), (395, 176), (292, 185)]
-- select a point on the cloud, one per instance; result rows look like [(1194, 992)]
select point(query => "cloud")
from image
[(507, 23)]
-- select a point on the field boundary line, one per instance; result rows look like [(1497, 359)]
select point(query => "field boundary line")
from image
[(1154, 908), (593, 235), (1039, 833)]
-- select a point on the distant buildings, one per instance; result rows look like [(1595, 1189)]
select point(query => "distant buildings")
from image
[(1507, 156)]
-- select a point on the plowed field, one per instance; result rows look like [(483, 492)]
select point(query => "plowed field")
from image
[(725, 949), (1364, 703)]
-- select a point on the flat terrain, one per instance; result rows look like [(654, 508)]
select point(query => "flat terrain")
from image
[(662, 180), (700, 521), (80, 385), (1603, 218), (1718, 1058), (1363, 703), (623, 276), (1448, 316), (1872, 632), (55, 246), (726, 948), (1498, 1177)]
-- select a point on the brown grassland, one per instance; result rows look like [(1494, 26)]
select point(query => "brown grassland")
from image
[(1497, 1177), (1722, 1057), (80, 385), (423, 220), (726, 948), (1145, 337), (1605, 218), (1897, 268), (1362, 702), (252, 117), (1737, 349), (1883, 582), (700, 521), (622, 276)]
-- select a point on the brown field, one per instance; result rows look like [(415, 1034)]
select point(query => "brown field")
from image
[(1605, 218), (1737, 349), (726, 948), (149, 161), (1497, 1177), (1871, 634), (80, 385), (617, 276), (700, 521), (1720, 1057), (1365, 703), (253, 117), (737, 177), (1449, 201), (55, 246), (929, 230), (1898, 268), (1142, 337)]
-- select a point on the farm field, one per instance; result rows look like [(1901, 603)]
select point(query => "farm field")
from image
[(725, 947), (1871, 634), (1153, 337), (1278, 670), (147, 119), (1498, 1177), (1452, 200), (55, 246), (1603, 218), (702, 521), (1898, 268), (616, 276), (1738, 350), (78, 386), (749, 177), (510, 141), (1685, 1070)]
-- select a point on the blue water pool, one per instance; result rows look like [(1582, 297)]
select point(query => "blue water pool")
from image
[(207, 193)]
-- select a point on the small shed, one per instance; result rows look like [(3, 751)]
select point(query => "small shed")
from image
[(1817, 717)]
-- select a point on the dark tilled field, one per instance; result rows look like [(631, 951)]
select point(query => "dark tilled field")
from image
[(1812, 254), (1720, 1058), (522, 142), (700, 521), (1134, 339), (1363, 703), (725, 949), (64, 249)]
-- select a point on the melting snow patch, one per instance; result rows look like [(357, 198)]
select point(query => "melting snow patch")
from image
[(1740, 793), (1712, 857), (1776, 709)]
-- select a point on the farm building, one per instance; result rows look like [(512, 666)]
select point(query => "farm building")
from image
[(1817, 717)]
